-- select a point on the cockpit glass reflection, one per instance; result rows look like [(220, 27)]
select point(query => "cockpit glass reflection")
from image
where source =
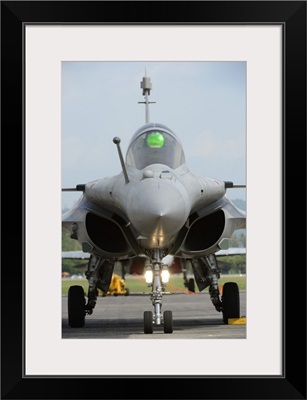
[(155, 147), (155, 140)]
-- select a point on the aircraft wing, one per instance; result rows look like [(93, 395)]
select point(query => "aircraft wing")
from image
[(76, 255), (232, 251), (80, 255)]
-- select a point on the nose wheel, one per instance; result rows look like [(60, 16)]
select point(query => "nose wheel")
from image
[(168, 322), (150, 321)]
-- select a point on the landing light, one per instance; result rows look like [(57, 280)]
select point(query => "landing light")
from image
[(148, 276), (165, 275)]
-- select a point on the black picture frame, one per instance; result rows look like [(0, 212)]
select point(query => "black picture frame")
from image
[(292, 16)]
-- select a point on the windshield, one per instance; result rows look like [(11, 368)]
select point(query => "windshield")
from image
[(155, 144)]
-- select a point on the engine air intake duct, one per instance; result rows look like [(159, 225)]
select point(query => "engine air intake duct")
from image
[(106, 234), (205, 232)]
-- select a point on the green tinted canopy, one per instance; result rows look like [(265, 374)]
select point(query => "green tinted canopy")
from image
[(155, 140)]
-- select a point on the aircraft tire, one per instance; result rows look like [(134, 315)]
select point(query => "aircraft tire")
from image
[(168, 321), (148, 324), (191, 285), (231, 301), (76, 307)]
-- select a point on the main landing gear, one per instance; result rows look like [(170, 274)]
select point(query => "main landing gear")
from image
[(207, 273), (76, 307), (99, 275), (230, 301), (157, 276), (229, 304)]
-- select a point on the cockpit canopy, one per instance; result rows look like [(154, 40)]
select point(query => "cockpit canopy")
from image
[(155, 144)]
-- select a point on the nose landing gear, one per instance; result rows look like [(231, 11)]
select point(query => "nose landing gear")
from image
[(159, 277)]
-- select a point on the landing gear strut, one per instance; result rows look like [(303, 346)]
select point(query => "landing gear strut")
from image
[(158, 277), (188, 283), (214, 277)]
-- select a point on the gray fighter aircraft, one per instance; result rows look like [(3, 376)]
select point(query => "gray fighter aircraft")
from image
[(155, 208)]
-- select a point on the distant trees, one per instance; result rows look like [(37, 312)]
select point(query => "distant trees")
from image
[(69, 244), (73, 267), (238, 239), (232, 264)]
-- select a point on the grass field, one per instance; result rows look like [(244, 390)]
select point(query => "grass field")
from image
[(137, 284)]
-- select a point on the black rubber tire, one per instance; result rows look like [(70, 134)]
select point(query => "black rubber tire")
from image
[(191, 285), (76, 307), (230, 301), (127, 292), (148, 323), (168, 321)]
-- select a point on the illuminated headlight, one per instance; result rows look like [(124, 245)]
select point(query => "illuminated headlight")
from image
[(148, 276), (165, 276)]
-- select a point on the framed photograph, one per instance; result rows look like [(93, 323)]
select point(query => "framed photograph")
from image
[(41, 43)]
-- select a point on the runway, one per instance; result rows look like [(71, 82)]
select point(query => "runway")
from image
[(121, 317)]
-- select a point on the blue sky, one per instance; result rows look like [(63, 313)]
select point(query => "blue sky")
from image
[(204, 103)]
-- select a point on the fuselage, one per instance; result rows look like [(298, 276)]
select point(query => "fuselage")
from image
[(156, 203)]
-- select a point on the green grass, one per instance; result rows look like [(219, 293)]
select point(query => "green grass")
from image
[(137, 284)]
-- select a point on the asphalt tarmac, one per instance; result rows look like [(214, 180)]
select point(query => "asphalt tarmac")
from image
[(121, 317)]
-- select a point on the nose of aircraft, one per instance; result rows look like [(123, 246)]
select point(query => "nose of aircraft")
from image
[(158, 210)]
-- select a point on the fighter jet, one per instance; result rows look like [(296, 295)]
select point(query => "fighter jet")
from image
[(154, 217)]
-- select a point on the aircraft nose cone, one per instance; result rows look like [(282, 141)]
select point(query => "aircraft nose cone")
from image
[(158, 210)]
